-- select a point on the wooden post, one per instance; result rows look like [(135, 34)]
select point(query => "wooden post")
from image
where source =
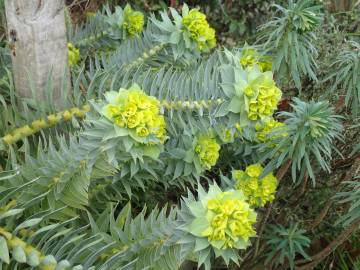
[(37, 37)]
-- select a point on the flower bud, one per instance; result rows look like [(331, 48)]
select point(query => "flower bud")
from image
[(26, 131), (8, 139), (67, 115), (86, 108), (39, 124), (53, 119)]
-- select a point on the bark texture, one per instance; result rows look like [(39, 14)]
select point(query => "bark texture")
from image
[(37, 36), (342, 5)]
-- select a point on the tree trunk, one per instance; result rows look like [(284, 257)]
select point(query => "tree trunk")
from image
[(37, 38)]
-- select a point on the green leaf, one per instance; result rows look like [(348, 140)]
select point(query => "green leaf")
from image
[(177, 153), (152, 151), (201, 243), (204, 256), (124, 214), (33, 259), (11, 212), (189, 156), (4, 251), (235, 105), (120, 132), (175, 37), (197, 208), (198, 226), (19, 254), (28, 223)]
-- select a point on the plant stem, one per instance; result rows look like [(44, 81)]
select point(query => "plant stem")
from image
[(283, 169), (321, 216), (316, 259), (302, 190)]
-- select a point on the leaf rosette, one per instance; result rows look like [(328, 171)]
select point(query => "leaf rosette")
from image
[(218, 223), (252, 94), (132, 121), (188, 34)]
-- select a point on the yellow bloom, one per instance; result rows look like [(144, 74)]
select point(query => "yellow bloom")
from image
[(228, 207), (133, 121), (145, 103), (129, 109), (250, 57), (142, 131), (218, 234), (253, 116), (196, 24), (238, 174), (208, 151), (249, 91), (73, 54), (253, 183), (133, 109), (112, 110), (231, 219), (240, 214), (264, 104), (264, 130), (219, 221), (258, 191), (120, 121), (213, 204), (133, 21), (254, 170), (237, 228)]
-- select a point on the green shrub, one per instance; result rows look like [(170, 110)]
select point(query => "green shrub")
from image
[(171, 149)]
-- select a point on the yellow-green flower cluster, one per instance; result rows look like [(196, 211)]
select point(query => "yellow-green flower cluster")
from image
[(262, 97), (218, 222), (207, 150), (134, 110), (263, 130), (250, 57), (258, 191), (199, 29), (73, 54), (230, 219), (133, 21)]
